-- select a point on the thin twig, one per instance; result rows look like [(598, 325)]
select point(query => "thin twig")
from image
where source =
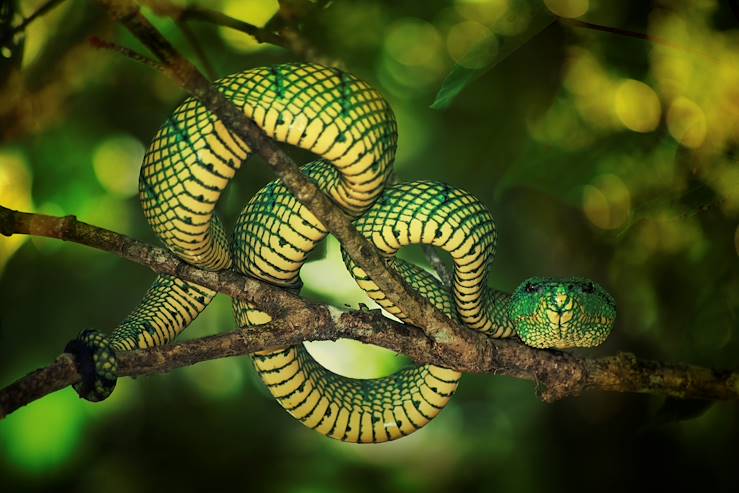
[(441, 269), (632, 34), (127, 52), (197, 49), (24, 24), (219, 18), (281, 30)]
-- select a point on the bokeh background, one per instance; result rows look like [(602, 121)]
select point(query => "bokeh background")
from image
[(600, 154)]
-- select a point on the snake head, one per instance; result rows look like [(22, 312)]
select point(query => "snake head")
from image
[(562, 313)]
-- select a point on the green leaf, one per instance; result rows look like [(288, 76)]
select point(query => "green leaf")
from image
[(561, 173), (461, 76)]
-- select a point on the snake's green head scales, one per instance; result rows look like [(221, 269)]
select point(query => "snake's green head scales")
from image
[(562, 313)]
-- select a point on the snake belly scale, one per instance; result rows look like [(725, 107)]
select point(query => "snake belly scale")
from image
[(351, 128)]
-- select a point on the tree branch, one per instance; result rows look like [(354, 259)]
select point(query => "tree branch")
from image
[(197, 49), (631, 34), (43, 9), (441, 342), (419, 310), (556, 374), (281, 30), (127, 52), (441, 269), (262, 35)]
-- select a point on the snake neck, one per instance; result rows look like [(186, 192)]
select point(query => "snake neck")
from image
[(433, 213), (496, 307)]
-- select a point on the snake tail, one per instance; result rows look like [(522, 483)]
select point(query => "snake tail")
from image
[(379, 409), (96, 364)]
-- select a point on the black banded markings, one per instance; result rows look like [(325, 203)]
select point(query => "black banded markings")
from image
[(316, 394)]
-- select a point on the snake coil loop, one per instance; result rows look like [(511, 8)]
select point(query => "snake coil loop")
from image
[(351, 128)]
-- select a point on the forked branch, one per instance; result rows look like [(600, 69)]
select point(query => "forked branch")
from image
[(556, 374), (419, 310), (442, 341)]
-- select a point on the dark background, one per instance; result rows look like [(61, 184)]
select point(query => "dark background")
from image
[(600, 154)]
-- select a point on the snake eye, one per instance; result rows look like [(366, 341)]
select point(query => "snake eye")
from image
[(588, 288), (531, 288)]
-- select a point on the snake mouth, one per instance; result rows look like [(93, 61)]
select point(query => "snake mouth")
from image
[(559, 321)]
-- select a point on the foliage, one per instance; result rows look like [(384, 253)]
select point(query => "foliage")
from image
[(600, 155)]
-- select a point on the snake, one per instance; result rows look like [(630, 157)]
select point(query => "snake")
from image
[(351, 129)]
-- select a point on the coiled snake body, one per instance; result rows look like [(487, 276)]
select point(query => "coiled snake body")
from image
[(352, 129)]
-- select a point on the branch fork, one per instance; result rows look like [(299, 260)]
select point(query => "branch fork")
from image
[(442, 341)]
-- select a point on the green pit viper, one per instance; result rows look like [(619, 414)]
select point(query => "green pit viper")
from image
[(352, 129)]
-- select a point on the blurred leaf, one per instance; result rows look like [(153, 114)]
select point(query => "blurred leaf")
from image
[(461, 76), (37, 448), (674, 410), (561, 172), (555, 171), (11, 46), (543, 122)]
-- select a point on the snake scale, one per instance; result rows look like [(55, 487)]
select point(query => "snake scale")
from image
[(350, 127)]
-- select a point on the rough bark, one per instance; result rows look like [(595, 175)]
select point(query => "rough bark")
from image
[(556, 374), (418, 310), (441, 341)]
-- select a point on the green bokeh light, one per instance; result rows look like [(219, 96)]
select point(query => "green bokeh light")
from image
[(44, 435), (591, 179)]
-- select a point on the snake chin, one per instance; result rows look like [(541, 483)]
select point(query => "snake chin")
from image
[(562, 313)]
